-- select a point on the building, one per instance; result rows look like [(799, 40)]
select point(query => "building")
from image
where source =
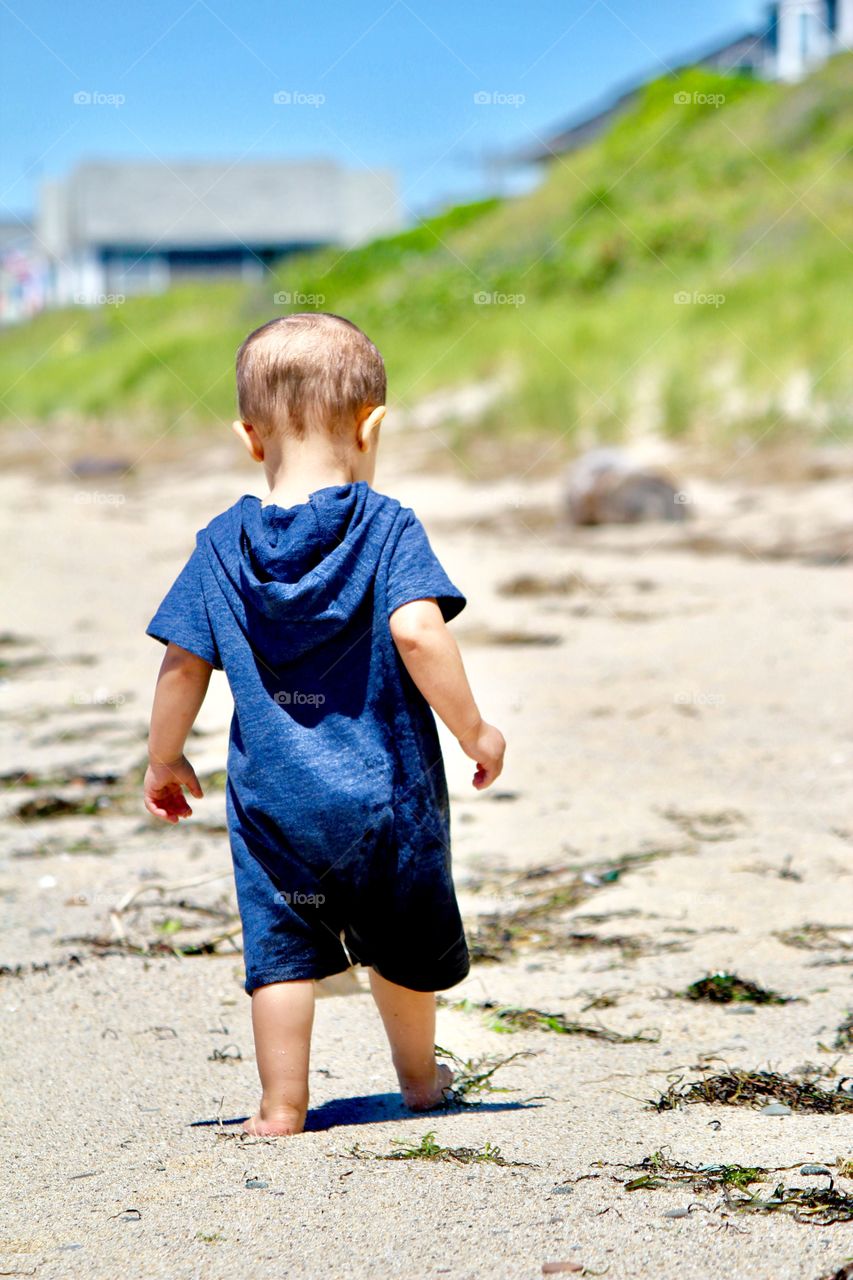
[(115, 228), (796, 37)]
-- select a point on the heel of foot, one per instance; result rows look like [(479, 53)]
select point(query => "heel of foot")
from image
[(283, 1124), (435, 1093)]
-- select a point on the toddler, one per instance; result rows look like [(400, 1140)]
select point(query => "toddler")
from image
[(326, 607)]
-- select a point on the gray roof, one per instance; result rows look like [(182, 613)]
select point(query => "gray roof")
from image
[(205, 204)]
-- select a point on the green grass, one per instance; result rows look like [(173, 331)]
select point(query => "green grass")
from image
[(747, 201)]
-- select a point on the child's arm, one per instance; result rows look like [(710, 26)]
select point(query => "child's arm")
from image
[(431, 657), (181, 686)]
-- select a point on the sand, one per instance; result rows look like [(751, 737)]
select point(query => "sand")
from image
[(676, 702)]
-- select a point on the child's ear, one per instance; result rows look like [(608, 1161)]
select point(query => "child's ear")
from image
[(245, 432), (367, 428)]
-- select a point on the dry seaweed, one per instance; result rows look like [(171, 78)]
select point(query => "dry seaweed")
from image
[(816, 937), (658, 1170), (223, 1054), (821, 1206), (36, 966), (536, 923), (475, 1076), (55, 806), (844, 1034), (94, 845), (783, 872), (603, 1000), (429, 1149), (728, 988), (707, 827), (509, 1018), (15, 778), (227, 917), (736, 1088), (488, 636), (100, 945), (528, 584)]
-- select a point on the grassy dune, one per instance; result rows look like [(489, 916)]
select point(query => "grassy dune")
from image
[(741, 206)]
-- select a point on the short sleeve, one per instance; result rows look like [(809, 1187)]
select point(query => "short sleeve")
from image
[(183, 619), (416, 573)]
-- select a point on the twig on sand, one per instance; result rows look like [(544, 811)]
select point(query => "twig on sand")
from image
[(158, 886)]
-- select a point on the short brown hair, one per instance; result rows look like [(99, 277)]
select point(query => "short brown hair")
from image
[(309, 370)]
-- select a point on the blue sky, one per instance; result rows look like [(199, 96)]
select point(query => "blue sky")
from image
[(376, 83)]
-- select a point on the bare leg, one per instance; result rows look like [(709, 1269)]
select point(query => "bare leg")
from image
[(282, 1018), (409, 1019)]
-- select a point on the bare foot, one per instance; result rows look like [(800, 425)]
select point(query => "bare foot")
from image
[(274, 1124), (424, 1097)]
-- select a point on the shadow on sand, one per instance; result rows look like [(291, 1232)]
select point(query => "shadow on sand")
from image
[(375, 1108)]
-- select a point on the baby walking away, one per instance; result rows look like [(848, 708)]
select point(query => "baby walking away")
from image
[(327, 608)]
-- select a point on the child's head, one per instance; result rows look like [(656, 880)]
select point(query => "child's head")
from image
[(312, 374)]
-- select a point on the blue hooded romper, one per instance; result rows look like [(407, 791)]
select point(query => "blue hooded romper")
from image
[(336, 794)]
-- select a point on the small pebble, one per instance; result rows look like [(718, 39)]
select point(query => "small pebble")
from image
[(776, 1109), (677, 1213), (815, 1170), (255, 1184), (741, 1008)]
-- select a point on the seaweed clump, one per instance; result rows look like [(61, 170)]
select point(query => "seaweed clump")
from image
[(429, 1149), (658, 1170), (728, 988), (473, 1077), (844, 1034), (509, 1018), (821, 1206), (738, 1088)]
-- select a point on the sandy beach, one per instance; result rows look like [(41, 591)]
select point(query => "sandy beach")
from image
[(676, 701)]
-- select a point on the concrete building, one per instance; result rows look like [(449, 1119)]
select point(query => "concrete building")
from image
[(115, 228)]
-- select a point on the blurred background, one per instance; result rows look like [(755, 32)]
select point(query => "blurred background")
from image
[(580, 224)]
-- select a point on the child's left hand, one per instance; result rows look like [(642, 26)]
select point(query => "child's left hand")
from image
[(164, 797)]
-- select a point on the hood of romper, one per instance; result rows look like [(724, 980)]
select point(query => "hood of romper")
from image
[(297, 576)]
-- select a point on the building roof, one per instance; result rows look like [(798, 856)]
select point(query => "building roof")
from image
[(180, 204)]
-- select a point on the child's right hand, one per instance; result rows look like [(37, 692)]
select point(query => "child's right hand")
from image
[(486, 745), (163, 789)]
